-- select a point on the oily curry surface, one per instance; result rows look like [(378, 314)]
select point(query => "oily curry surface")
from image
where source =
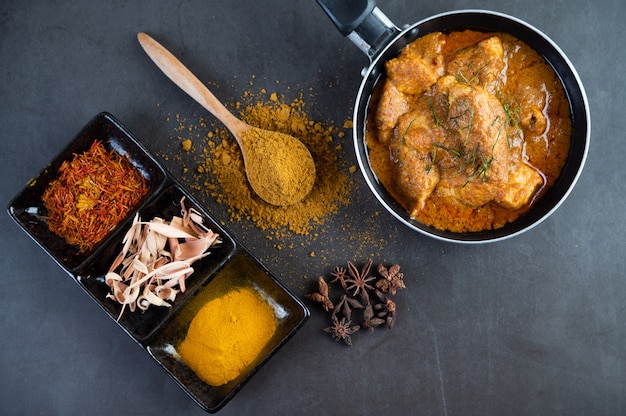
[(467, 130)]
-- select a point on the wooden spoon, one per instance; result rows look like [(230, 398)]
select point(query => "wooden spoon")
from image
[(280, 169)]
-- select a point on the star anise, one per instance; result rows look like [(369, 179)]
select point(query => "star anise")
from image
[(341, 330), (392, 279), (340, 276), (322, 295), (346, 305), (387, 311), (360, 280), (370, 321), (359, 293)]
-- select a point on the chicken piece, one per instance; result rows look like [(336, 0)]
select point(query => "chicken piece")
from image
[(415, 69), (412, 151), (417, 129), (475, 155), (428, 47), (522, 185), (411, 74), (479, 65), (418, 66), (416, 180), (533, 93), (391, 106)]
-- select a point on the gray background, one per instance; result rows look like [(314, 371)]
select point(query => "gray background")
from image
[(528, 326)]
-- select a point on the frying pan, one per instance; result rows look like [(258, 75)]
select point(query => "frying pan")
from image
[(363, 23)]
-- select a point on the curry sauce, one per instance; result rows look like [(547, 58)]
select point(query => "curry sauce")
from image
[(467, 130)]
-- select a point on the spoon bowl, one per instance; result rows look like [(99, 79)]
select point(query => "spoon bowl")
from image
[(279, 167)]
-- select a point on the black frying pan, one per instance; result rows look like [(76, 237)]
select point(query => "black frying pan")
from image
[(370, 30)]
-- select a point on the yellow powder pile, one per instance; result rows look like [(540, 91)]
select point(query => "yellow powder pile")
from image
[(226, 335)]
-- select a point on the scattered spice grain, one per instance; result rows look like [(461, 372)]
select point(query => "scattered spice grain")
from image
[(186, 145)]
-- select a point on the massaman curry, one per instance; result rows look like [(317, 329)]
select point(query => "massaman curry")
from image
[(468, 129)]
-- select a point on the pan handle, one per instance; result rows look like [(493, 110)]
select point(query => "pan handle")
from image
[(362, 22)]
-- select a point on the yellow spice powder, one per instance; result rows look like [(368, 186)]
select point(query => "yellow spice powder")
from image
[(225, 178), (226, 335), (279, 168)]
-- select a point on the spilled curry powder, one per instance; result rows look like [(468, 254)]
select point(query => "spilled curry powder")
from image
[(325, 225), (220, 174)]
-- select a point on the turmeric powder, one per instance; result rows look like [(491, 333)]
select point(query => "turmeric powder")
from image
[(227, 335)]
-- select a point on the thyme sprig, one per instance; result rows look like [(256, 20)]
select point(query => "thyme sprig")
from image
[(477, 160), (513, 113), (462, 79), (481, 168), (433, 112), (401, 141), (455, 152)]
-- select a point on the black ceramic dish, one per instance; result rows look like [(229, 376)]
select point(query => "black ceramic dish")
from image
[(151, 329), (241, 271), (29, 212), (367, 27)]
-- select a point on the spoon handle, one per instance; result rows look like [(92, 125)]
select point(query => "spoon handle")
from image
[(188, 82)]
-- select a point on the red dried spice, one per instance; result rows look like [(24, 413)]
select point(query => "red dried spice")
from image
[(93, 193)]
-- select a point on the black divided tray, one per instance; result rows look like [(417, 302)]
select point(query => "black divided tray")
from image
[(158, 329)]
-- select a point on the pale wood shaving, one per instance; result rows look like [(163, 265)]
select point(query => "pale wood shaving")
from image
[(156, 259)]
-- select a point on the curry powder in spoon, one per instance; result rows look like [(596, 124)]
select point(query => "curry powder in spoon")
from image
[(279, 168)]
